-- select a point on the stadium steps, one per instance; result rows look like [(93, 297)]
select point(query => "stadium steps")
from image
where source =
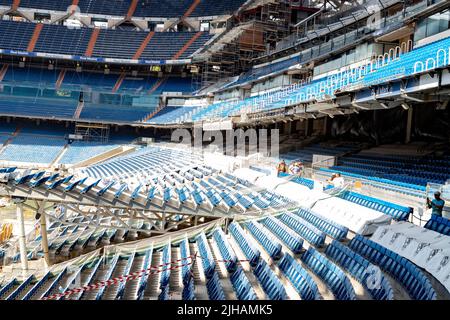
[(191, 8), (42, 288), (60, 79), (201, 291), (8, 141), (119, 82), (132, 286), (399, 292), (35, 37), (3, 71), (63, 283), (187, 45), (111, 291), (152, 289), (143, 45), (101, 275), (84, 281), (360, 292), (22, 290), (14, 284), (78, 110), (221, 270), (131, 9), (157, 85), (15, 5), (324, 291), (60, 155), (154, 113), (175, 283), (92, 41)]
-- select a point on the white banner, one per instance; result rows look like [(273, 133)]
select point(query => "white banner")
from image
[(426, 248)]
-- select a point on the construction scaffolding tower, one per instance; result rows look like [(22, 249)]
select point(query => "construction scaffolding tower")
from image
[(92, 131), (258, 29)]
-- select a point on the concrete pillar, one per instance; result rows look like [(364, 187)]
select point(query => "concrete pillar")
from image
[(288, 127), (22, 240), (309, 127), (325, 126), (44, 240), (409, 120)]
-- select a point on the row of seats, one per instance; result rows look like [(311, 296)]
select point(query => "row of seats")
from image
[(306, 230), (438, 224), (422, 165), (140, 162), (269, 243), (208, 262), (214, 288), (399, 213), (32, 78), (225, 250), (243, 288), (189, 290), (362, 270), (166, 263), (142, 284), (404, 175), (403, 270), (144, 8), (248, 248), (172, 115), (293, 241), (329, 227), (412, 170), (14, 101), (185, 260), (299, 277), (162, 185), (331, 274), (269, 281), (55, 39)]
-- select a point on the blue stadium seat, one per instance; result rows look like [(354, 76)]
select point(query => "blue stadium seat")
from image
[(403, 270), (332, 275)]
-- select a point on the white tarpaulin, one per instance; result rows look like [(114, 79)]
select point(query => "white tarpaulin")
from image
[(355, 217), (426, 248), (248, 174)]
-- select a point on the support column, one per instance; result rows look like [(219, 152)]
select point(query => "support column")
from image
[(44, 241), (325, 126), (309, 127), (22, 240), (409, 121), (287, 127)]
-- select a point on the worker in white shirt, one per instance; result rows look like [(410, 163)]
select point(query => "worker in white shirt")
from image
[(338, 181)]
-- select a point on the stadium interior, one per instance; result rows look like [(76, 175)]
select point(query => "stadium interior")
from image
[(141, 145)]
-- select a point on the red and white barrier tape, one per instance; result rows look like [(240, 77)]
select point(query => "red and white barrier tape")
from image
[(133, 276)]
